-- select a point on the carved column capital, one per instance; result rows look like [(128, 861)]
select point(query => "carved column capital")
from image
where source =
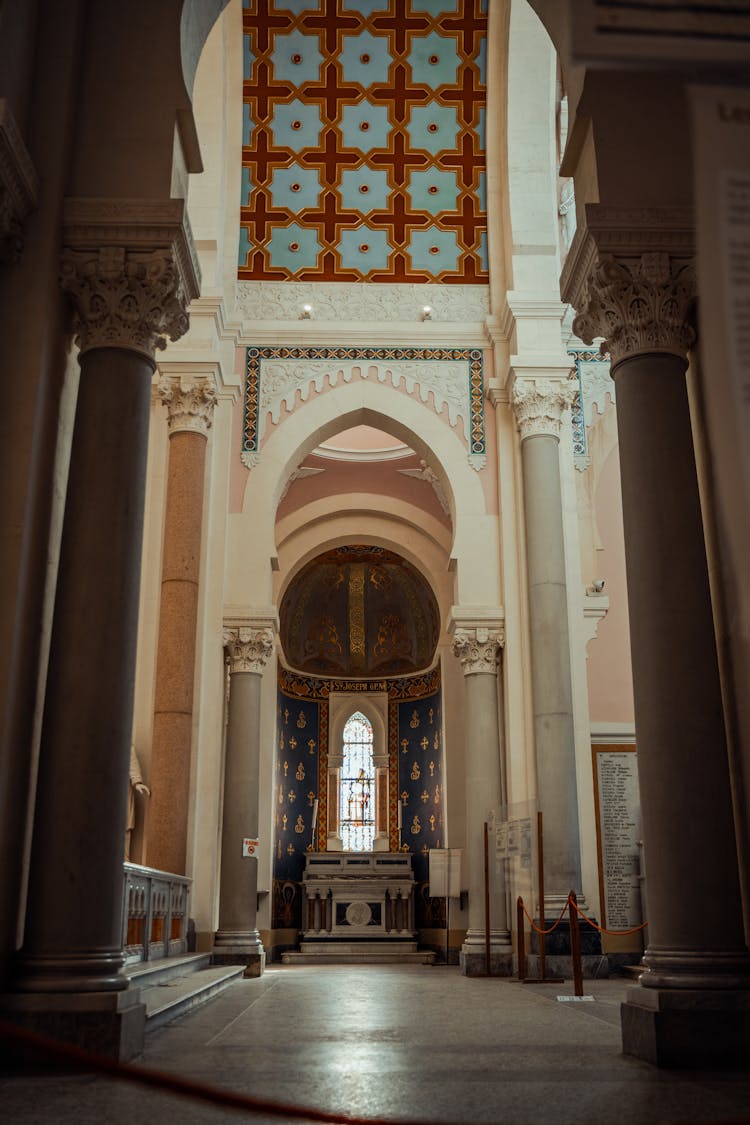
[(19, 186), (638, 305), (129, 267), (248, 649), (190, 402), (539, 404), (478, 650)]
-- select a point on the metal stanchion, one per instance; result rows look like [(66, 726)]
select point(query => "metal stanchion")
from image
[(487, 899), (521, 939), (575, 946)]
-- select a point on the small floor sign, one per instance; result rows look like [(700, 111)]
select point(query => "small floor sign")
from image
[(250, 845)]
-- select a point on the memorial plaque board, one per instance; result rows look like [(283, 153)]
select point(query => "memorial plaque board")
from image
[(618, 830)]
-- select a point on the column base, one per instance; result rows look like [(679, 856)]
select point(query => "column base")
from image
[(687, 1027), (240, 948), (108, 1023), (473, 956)]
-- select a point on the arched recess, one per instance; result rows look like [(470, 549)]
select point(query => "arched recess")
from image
[(475, 532), (374, 706)]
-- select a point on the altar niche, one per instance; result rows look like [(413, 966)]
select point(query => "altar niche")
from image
[(358, 772)]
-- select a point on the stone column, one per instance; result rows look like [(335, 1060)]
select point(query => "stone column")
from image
[(539, 404), (129, 271), (478, 649), (692, 1004), (190, 403), (248, 650)]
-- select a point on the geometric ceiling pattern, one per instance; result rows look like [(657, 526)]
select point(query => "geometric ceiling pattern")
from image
[(363, 152)]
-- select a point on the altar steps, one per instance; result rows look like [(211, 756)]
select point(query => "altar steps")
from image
[(175, 985), (358, 953)]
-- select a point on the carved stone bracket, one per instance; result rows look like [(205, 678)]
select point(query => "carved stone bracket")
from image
[(248, 649), (478, 650), (190, 402), (539, 404), (131, 271), (19, 186), (630, 277)]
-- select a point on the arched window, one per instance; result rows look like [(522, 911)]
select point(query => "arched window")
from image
[(357, 792)]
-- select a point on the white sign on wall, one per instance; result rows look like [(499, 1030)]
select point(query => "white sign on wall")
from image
[(250, 845)]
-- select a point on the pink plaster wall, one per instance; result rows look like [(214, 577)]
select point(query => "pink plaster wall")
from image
[(608, 665)]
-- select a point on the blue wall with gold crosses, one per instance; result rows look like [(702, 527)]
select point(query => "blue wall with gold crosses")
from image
[(296, 789), (421, 792)]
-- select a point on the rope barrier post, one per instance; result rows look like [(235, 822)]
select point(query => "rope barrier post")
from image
[(575, 945), (487, 898), (540, 853), (521, 939)]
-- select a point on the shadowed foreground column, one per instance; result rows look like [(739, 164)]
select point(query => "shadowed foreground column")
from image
[(478, 650), (237, 939), (692, 1004), (68, 977), (190, 405)]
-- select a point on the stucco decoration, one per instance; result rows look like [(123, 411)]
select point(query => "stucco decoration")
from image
[(478, 650), (450, 378), (425, 473), (539, 404), (359, 611), (19, 186), (248, 649), (595, 383), (336, 301), (638, 305), (190, 402)]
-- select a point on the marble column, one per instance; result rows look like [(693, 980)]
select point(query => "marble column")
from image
[(478, 648), (190, 403), (692, 1004), (248, 649), (539, 404), (129, 271)]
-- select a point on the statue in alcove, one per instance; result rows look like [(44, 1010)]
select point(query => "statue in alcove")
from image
[(137, 785)]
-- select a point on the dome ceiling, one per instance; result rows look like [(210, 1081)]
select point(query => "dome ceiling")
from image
[(363, 141), (359, 611)]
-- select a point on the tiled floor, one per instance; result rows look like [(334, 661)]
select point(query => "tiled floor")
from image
[(403, 1042)]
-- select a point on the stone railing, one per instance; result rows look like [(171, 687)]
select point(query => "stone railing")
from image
[(154, 913)]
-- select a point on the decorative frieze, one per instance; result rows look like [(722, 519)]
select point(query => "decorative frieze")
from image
[(190, 402), (248, 649), (19, 186), (130, 269), (638, 305), (478, 650), (539, 404), (259, 301)]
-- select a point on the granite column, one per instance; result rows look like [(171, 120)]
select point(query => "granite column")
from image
[(248, 649), (478, 648), (190, 404), (692, 1005)]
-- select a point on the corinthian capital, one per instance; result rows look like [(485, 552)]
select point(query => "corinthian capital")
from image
[(129, 267), (190, 402), (248, 649), (478, 650), (539, 404), (638, 305)]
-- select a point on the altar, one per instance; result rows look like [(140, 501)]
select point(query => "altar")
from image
[(358, 907)]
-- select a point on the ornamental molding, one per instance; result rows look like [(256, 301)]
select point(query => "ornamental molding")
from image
[(362, 301), (539, 404), (131, 270), (478, 650), (248, 649), (19, 185), (426, 473), (190, 402), (639, 306)]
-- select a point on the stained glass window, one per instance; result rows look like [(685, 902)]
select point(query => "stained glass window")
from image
[(357, 793)]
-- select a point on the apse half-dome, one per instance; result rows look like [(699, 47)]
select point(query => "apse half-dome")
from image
[(359, 611)]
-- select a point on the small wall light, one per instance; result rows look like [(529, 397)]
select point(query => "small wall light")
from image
[(426, 312), (306, 313), (597, 586)]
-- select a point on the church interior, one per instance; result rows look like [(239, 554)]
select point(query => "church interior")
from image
[(377, 505)]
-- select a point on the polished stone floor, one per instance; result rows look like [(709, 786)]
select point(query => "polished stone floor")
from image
[(405, 1042)]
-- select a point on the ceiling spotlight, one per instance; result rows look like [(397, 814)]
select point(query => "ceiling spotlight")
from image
[(306, 313), (426, 312)]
